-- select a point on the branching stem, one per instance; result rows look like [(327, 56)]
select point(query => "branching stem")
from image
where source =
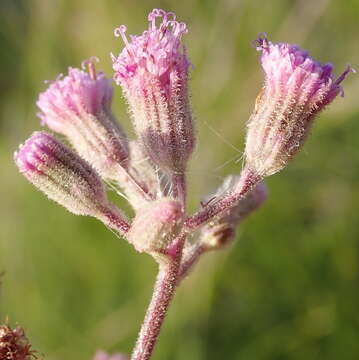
[(248, 180)]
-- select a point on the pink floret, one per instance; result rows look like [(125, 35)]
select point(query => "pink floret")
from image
[(158, 51), (287, 65), (28, 157), (75, 94)]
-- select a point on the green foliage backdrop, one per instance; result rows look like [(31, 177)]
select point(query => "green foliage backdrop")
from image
[(287, 290)]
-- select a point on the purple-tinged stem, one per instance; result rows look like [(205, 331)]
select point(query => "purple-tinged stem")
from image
[(163, 292), (248, 180)]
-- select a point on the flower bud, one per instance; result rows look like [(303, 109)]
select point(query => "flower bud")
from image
[(152, 70), (296, 89), (64, 177), (79, 107), (156, 225), (14, 345), (221, 231)]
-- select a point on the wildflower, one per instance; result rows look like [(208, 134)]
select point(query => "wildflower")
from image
[(79, 107), (153, 72), (296, 89), (66, 178)]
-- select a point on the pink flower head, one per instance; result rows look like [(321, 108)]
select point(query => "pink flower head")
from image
[(296, 88), (287, 65), (77, 94), (157, 53), (79, 107), (153, 72)]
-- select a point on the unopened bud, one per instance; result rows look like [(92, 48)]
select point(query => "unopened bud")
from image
[(79, 107), (152, 70), (296, 89), (64, 177), (156, 225), (222, 229), (14, 345)]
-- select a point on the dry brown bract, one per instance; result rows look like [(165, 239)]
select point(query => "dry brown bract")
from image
[(14, 345)]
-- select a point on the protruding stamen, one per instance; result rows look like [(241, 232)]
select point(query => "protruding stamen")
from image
[(120, 31), (342, 77), (178, 29), (348, 70), (183, 28), (171, 15), (90, 65), (155, 13), (262, 42)]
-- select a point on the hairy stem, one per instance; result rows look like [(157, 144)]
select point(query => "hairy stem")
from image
[(248, 180), (163, 292), (115, 220)]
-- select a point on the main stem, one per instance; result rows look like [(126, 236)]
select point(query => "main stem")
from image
[(163, 292), (170, 270)]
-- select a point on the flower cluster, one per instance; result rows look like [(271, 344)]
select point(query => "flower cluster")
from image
[(153, 71)]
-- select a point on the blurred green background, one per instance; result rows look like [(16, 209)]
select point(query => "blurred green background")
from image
[(287, 290)]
